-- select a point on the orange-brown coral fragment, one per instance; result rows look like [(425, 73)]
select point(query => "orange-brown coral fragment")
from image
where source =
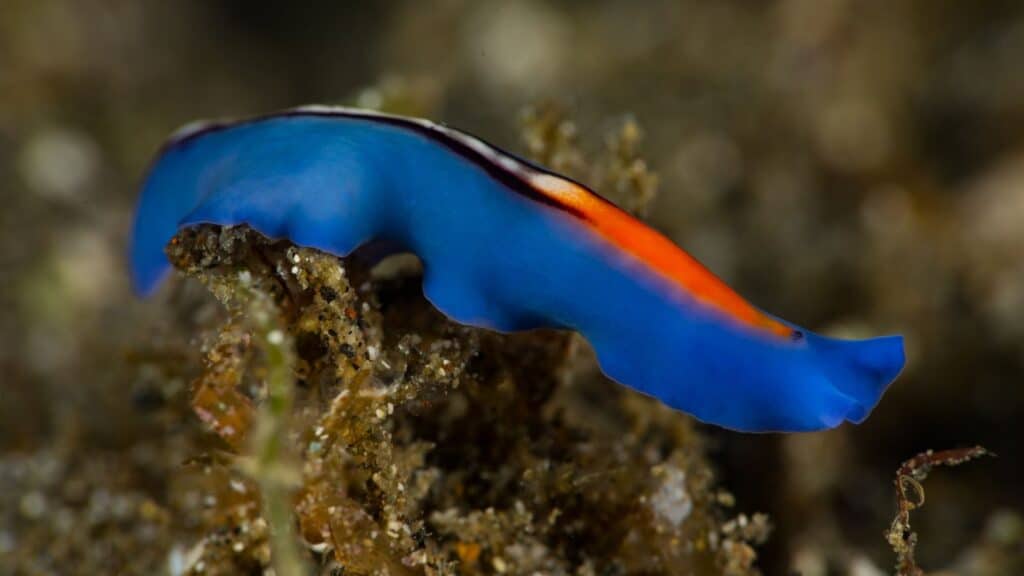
[(216, 399), (225, 411)]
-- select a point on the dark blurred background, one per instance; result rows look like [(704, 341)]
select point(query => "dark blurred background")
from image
[(856, 166)]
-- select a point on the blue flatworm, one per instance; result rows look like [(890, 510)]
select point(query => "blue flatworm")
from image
[(510, 246)]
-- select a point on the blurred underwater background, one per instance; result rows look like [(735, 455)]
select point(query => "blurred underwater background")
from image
[(854, 166)]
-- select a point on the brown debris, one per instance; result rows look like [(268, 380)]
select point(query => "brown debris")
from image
[(910, 496)]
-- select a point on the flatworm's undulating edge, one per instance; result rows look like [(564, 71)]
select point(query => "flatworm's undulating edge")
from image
[(500, 164)]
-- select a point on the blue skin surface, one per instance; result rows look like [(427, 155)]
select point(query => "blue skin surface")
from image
[(497, 259)]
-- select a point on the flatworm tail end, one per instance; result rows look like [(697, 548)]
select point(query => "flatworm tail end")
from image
[(860, 369)]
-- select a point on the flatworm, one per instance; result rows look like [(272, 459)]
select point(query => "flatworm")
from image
[(509, 246)]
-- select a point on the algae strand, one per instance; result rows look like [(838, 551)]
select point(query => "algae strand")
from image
[(910, 496)]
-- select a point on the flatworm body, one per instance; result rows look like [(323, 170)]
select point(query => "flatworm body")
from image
[(510, 246)]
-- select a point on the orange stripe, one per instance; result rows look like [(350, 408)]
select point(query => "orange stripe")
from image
[(656, 251)]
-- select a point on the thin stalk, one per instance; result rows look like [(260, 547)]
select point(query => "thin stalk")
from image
[(272, 466)]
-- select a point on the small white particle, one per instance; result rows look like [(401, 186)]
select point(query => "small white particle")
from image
[(275, 337), (671, 501), (394, 528)]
